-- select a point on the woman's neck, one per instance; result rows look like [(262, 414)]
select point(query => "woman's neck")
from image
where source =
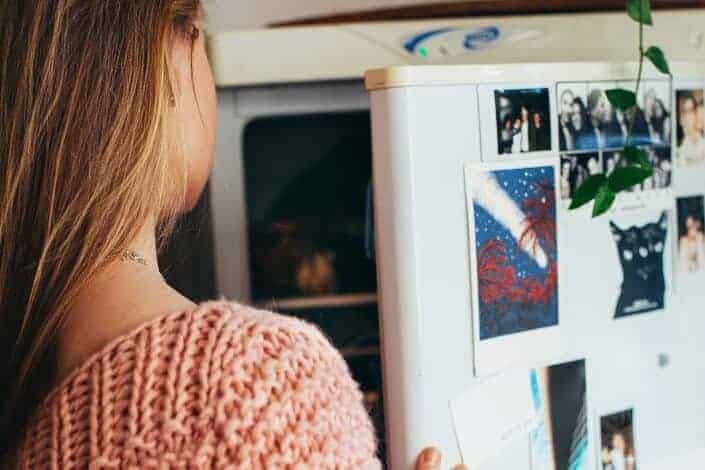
[(693, 235), (124, 295), (145, 245), (693, 136)]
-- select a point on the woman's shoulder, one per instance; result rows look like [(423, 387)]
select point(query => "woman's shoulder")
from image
[(225, 325), (219, 384), (192, 334), (215, 341)]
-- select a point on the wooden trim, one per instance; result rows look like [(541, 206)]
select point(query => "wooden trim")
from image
[(483, 8), (327, 301)]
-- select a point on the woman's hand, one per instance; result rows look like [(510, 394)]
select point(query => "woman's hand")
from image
[(430, 459)]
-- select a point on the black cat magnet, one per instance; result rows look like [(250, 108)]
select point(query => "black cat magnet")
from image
[(641, 248)]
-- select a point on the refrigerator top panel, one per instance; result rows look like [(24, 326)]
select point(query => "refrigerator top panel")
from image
[(409, 76)]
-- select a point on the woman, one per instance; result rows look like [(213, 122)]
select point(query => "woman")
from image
[(525, 126), (593, 166), (565, 179), (691, 245), (620, 456), (620, 129), (611, 160), (108, 117), (583, 134), (660, 121), (540, 138), (657, 118), (565, 134), (691, 148), (599, 112), (517, 135), (507, 135)]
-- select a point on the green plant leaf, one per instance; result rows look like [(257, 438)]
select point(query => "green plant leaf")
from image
[(621, 99), (603, 200), (637, 156), (658, 58), (640, 11), (626, 177), (587, 191)]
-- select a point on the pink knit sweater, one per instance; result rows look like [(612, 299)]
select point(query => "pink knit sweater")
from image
[(224, 386)]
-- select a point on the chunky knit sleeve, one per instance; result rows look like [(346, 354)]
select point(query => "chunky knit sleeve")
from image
[(224, 386), (282, 397)]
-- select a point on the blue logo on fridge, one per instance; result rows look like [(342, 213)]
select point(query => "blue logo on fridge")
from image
[(481, 38), (451, 41)]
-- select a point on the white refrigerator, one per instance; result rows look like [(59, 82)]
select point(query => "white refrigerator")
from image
[(483, 269)]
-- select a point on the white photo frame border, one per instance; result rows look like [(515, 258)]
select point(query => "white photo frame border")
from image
[(686, 179), (627, 201), (493, 355), (599, 414), (681, 278), (489, 125)]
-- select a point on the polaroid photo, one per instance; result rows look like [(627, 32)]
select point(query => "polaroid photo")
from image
[(691, 236), (617, 443), (642, 246), (561, 439), (689, 135), (690, 128), (575, 169), (519, 121), (514, 262)]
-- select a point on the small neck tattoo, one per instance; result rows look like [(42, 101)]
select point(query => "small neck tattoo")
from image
[(129, 255)]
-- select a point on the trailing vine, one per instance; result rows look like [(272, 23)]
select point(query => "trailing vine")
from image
[(634, 165)]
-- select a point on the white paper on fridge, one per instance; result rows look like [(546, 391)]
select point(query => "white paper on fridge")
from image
[(493, 414)]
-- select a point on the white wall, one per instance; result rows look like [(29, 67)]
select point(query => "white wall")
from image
[(247, 14)]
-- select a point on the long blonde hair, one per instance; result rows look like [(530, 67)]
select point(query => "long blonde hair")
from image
[(84, 99)]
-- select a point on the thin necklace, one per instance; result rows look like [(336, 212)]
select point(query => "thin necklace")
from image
[(129, 255)]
